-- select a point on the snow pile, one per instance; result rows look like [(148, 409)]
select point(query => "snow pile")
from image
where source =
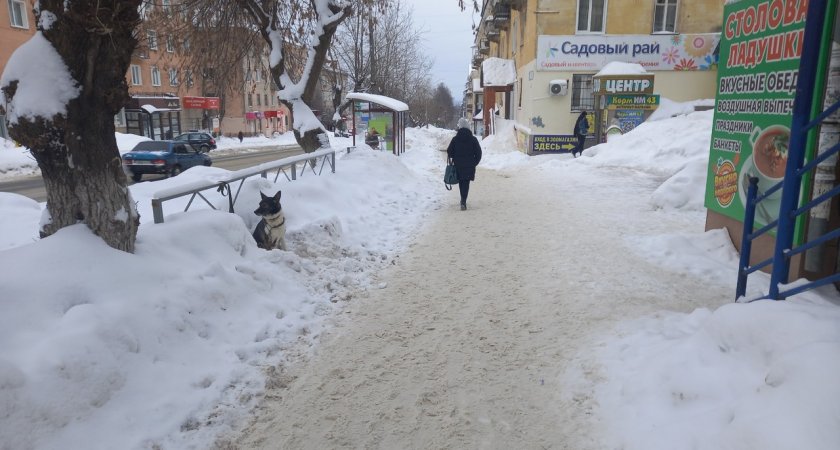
[(676, 149), (166, 346), (621, 68), (669, 108), (499, 150), (431, 136), (498, 71), (16, 161), (748, 376)]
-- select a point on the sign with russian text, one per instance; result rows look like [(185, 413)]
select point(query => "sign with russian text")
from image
[(759, 64), (642, 101), (552, 143), (653, 52), (623, 84)]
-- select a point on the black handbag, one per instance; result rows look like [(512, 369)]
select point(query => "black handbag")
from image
[(450, 177)]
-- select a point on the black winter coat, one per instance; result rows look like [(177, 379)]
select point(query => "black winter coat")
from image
[(465, 151), (581, 118)]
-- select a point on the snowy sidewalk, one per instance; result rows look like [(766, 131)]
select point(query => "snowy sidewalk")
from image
[(468, 343)]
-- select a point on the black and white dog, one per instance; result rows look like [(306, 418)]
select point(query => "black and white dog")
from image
[(271, 231)]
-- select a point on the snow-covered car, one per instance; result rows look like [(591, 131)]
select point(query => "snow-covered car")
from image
[(163, 157)]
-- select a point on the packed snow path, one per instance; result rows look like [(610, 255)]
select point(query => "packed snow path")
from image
[(467, 344)]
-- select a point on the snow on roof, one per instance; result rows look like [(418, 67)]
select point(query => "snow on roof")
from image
[(622, 68), (387, 102), (479, 116), (498, 71), (153, 109)]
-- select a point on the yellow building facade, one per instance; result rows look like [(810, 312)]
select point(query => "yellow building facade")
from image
[(557, 46)]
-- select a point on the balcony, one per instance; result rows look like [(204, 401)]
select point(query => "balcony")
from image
[(514, 4), (484, 47), (491, 32), (501, 16)]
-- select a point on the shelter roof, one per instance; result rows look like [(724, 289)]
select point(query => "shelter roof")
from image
[(388, 102)]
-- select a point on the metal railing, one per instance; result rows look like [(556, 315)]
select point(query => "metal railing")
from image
[(223, 186), (803, 123)]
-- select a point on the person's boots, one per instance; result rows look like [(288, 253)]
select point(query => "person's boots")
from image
[(463, 205)]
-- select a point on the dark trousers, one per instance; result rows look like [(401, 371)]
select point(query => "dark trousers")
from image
[(464, 187), (579, 148)]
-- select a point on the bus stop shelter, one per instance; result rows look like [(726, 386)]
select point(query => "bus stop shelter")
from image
[(384, 115)]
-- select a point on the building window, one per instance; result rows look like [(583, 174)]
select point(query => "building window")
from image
[(151, 37), (188, 78), (173, 77), (167, 8), (186, 45), (250, 99), (155, 76), (265, 99), (146, 8), (665, 16), (583, 98), (17, 14), (170, 44), (258, 100), (136, 76), (591, 16)]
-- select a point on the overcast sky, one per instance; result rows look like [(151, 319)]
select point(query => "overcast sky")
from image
[(448, 39)]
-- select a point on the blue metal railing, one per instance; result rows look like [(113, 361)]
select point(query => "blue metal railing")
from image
[(796, 169)]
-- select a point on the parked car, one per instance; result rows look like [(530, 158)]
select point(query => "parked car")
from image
[(199, 140), (163, 157)]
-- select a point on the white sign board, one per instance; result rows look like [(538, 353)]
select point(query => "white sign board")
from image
[(653, 52)]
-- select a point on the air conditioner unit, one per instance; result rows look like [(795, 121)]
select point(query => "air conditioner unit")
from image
[(558, 87)]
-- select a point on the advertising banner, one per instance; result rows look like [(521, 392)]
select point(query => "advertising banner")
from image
[(632, 101), (653, 52), (548, 143), (759, 64)]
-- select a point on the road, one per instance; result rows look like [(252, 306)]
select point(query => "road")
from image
[(33, 187)]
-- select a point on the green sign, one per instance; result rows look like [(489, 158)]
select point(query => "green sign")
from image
[(760, 47), (632, 101)]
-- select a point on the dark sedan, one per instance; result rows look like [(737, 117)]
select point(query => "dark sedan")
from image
[(199, 140), (162, 157)]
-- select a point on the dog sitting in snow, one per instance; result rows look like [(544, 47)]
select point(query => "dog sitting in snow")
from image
[(271, 231)]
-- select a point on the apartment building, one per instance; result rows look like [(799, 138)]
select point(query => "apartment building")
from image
[(556, 47), (17, 25)]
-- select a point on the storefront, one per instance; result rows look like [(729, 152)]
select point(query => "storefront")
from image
[(552, 90), (199, 113), (154, 117), (624, 98)]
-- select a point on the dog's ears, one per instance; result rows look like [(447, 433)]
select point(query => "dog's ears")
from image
[(265, 197)]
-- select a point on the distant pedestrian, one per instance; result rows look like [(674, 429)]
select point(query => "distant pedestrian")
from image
[(240, 136), (465, 153), (581, 130)]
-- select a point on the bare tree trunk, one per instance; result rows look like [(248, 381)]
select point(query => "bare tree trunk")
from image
[(77, 152)]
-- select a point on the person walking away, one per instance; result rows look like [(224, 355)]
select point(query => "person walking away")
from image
[(581, 130), (240, 136), (465, 153)]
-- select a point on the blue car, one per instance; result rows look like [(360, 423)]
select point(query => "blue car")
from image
[(162, 157)]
